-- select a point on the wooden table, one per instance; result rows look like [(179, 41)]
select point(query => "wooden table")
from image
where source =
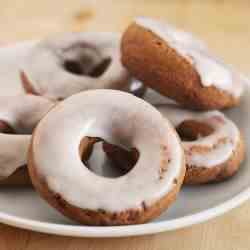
[(223, 24)]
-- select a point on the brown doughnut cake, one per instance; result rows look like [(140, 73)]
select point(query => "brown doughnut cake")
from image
[(213, 145), (178, 66)]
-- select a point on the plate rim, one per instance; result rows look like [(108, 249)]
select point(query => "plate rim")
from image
[(129, 230), (125, 231)]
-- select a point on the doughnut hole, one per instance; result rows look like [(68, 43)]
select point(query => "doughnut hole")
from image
[(191, 130), (82, 59), (106, 159)]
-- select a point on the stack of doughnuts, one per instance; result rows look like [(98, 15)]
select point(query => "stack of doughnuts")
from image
[(36, 75), (71, 92)]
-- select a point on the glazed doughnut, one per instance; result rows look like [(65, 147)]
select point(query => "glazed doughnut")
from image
[(213, 145), (179, 66), (65, 135), (61, 66), (18, 116)]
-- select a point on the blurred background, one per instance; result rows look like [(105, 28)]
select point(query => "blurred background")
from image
[(223, 24)]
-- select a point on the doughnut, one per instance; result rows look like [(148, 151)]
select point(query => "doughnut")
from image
[(62, 66), (213, 145), (18, 116), (63, 140), (179, 66)]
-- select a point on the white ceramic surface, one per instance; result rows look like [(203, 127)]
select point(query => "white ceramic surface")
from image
[(22, 207)]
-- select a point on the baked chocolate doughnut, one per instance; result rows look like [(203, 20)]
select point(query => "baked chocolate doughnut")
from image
[(179, 66)]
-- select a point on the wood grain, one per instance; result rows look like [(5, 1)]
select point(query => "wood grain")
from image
[(223, 24)]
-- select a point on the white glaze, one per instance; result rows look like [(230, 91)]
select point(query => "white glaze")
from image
[(12, 57), (211, 70), (223, 129), (48, 76), (119, 118), (21, 113)]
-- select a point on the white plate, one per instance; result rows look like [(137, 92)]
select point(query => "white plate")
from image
[(22, 207)]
